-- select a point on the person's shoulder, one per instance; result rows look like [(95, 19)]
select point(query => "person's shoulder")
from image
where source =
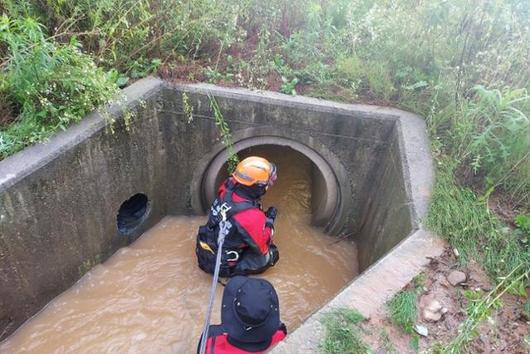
[(283, 328), (215, 330), (222, 188)]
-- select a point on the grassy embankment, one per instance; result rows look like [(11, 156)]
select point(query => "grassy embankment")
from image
[(463, 65)]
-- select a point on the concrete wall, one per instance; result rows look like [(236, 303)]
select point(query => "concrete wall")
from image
[(59, 200), (350, 139), (386, 213)]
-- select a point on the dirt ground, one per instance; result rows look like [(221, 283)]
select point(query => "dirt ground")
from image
[(194, 72), (503, 332)]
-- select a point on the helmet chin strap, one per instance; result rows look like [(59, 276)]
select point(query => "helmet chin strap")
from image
[(252, 192)]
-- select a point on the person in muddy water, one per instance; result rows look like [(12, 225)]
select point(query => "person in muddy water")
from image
[(250, 318), (248, 247)]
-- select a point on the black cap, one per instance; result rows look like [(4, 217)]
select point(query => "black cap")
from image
[(250, 312)]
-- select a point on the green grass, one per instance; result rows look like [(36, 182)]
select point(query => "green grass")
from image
[(342, 333), (461, 216), (401, 309), (386, 342)]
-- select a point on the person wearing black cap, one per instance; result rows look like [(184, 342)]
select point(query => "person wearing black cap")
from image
[(250, 318)]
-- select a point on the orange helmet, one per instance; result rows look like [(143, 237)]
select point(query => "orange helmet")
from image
[(255, 170)]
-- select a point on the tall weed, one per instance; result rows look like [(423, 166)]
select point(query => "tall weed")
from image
[(51, 84)]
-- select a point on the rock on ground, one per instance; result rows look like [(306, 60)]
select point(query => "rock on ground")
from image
[(456, 277)]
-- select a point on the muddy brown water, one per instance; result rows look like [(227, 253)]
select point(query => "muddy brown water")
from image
[(151, 296)]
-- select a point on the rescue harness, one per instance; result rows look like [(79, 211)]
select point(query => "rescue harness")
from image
[(208, 238)]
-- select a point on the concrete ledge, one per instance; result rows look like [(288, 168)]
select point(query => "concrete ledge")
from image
[(369, 292)]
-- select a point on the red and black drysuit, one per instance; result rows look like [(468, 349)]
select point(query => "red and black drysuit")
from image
[(248, 247), (220, 343)]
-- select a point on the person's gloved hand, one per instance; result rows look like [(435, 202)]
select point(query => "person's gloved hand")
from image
[(271, 216), (274, 255), (271, 213)]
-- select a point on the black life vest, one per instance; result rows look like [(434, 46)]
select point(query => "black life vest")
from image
[(206, 246)]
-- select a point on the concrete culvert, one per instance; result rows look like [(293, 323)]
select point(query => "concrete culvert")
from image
[(370, 179)]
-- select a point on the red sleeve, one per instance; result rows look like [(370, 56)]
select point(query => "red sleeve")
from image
[(251, 223), (278, 336)]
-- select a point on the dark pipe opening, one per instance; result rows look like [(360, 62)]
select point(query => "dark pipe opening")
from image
[(132, 213)]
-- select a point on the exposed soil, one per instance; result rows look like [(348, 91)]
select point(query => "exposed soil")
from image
[(185, 72), (7, 114), (505, 206), (194, 71), (503, 332)]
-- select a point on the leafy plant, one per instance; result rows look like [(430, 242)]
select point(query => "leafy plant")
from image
[(523, 222), (226, 136), (52, 84), (289, 86)]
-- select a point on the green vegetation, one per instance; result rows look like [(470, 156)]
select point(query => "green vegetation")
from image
[(402, 309), (459, 214), (226, 136), (51, 84), (343, 333)]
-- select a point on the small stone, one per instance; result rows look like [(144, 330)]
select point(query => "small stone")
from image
[(455, 252), (381, 351), (444, 310), (421, 330), (434, 306), (430, 308), (431, 316), (456, 277)]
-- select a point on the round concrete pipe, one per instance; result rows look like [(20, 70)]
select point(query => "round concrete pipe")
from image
[(325, 192)]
